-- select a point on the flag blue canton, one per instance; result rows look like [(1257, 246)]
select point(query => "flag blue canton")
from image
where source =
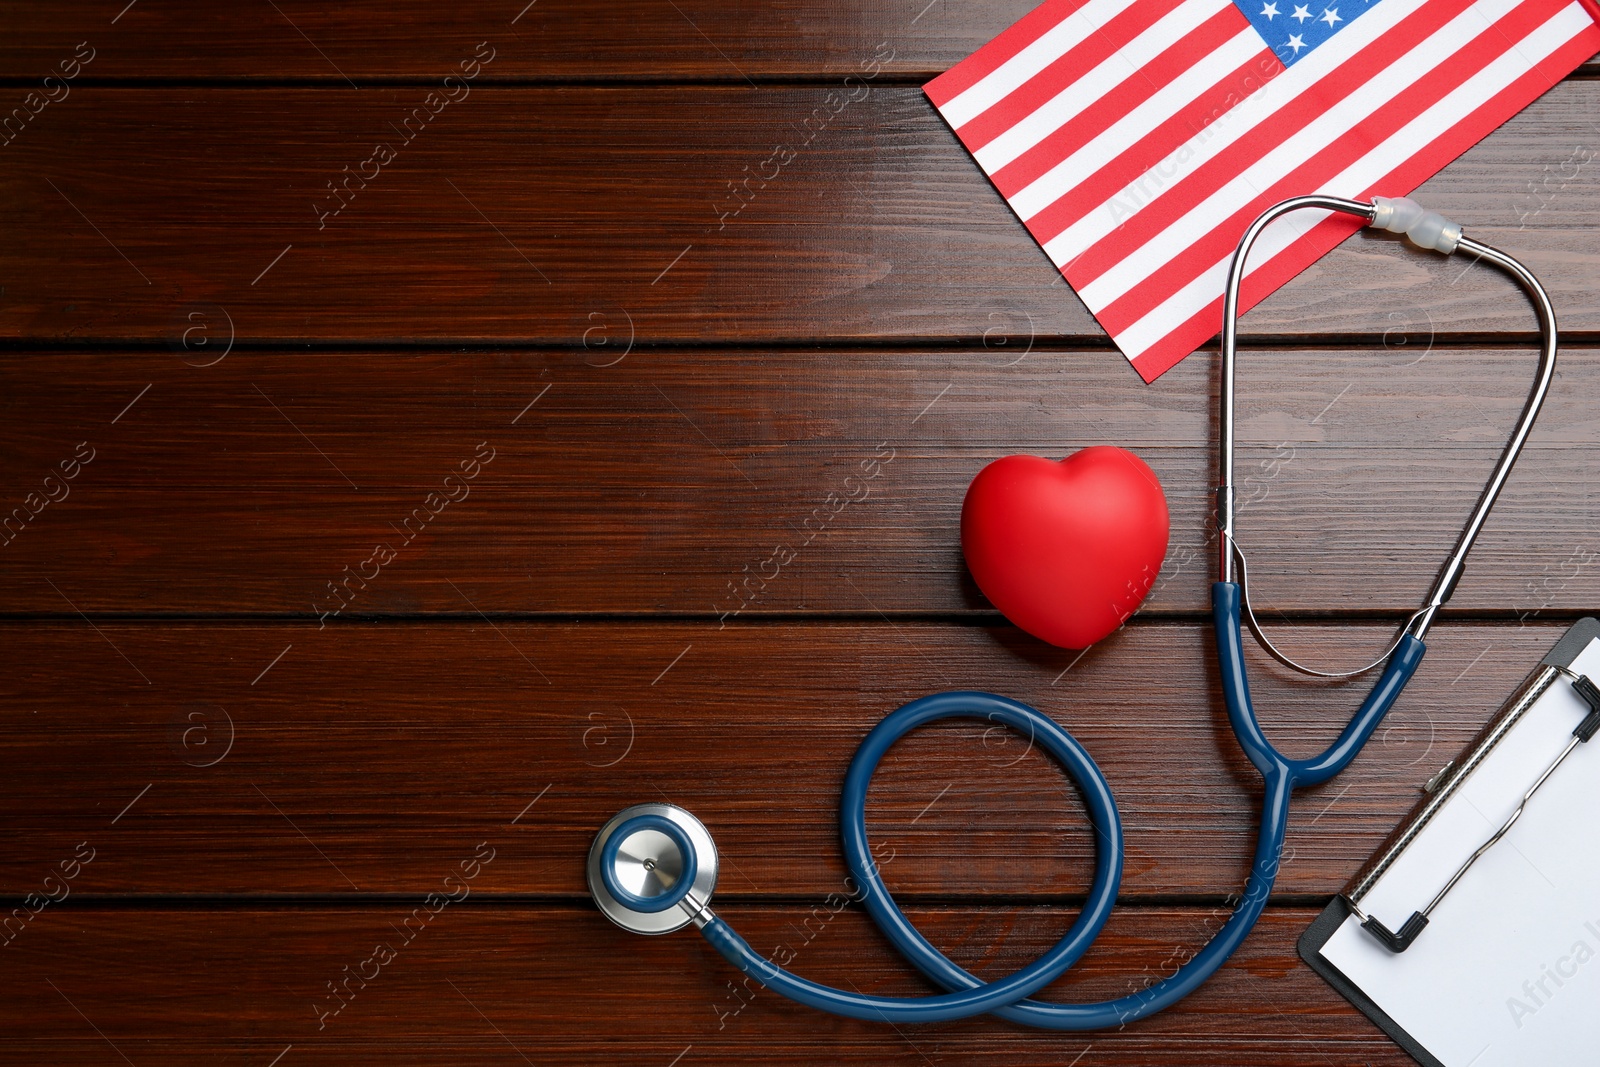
[(1294, 30)]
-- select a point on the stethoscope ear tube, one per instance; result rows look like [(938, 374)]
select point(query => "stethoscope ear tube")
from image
[(1226, 599), (1007, 998), (1427, 230), (969, 995)]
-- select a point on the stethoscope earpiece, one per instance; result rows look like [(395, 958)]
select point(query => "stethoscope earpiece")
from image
[(652, 868)]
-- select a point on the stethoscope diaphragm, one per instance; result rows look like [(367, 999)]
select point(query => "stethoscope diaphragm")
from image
[(652, 868)]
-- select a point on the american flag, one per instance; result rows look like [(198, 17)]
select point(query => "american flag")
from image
[(1137, 139)]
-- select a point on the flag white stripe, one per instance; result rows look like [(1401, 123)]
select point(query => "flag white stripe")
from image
[(1261, 106), (1082, 164), (1193, 297), (1127, 61), (1404, 143), (1011, 75), (1314, 137)]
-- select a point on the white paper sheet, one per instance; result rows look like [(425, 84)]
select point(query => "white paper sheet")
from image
[(1507, 972)]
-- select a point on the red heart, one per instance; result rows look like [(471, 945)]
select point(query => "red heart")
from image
[(1066, 550)]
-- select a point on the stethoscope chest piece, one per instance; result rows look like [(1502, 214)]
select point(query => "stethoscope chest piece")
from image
[(652, 868)]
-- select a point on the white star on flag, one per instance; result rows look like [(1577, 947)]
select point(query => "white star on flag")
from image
[(1330, 16), (1301, 12), (1269, 10), (1296, 43)]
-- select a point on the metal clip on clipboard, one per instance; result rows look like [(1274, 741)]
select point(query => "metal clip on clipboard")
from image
[(1444, 784)]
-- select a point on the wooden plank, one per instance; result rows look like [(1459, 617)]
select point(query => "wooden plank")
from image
[(269, 760), (481, 985), (667, 480), (521, 214), (557, 272), (367, 41)]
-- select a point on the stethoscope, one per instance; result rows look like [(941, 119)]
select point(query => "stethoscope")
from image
[(653, 867)]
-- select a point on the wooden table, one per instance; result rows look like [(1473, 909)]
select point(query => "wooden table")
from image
[(394, 516)]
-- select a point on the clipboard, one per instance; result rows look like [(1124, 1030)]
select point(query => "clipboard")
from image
[(1505, 967)]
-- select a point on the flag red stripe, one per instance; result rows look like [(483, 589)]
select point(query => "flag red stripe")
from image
[(1491, 114), (1233, 160), (986, 60), (1329, 127), (1079, 60), (1328, 163), (1272, 274), (1104, 113), (1259, 284), (1140, 157)]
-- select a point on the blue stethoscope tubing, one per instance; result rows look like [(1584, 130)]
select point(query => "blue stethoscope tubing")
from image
[(1005, 997), (1008, 997)]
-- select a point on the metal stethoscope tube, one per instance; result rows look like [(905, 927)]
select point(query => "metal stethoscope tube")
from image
[(1448, 240), (652, 867)]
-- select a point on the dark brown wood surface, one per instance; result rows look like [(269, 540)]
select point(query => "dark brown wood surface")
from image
[(643, 392), (536, 215), (538, 983), (661, 482), (368, 42), (292, 760)]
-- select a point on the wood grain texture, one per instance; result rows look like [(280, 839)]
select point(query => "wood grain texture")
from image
[(668, 480), (369, 41), (513, 984), (224, 383), (360, 759), (519, 214)]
